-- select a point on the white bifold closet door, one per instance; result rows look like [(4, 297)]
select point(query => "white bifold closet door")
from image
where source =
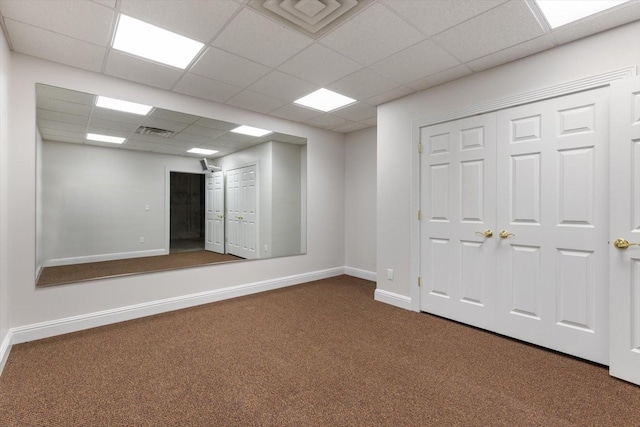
[(458, 198), (241, 212), (538, 173), (625, 224), (214, 221)]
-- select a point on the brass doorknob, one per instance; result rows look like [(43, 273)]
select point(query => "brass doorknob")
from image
[(487, 233), (623, 243), (504, 234)]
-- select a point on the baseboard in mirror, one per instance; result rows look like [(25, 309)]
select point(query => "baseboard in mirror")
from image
[(102, 257), (362, 274), (91, 320), (5, 349), (393, 299)]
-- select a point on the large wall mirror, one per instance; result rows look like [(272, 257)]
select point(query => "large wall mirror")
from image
[(126, 189)]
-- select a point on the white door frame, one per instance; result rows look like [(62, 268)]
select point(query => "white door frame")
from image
[(593, 82)]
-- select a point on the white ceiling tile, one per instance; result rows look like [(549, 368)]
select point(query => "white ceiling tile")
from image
[(351, 127), (600, 22), (253, 101), (282, 86), (116, 116), (197, 19), (87, 21), (65, 95), (194, 131), (49, 124), (58, 116), (164, 124), (440, 78), (326, 121), (512, 53), (389, 96), (107, 3), (60, 138), (356, 112), (108, 124), (372, 35), (295, 113), (505, 26), (141, 71), (419, 60), (363, 84), (225, 67), (215, 124), (54, 47), (202, 87), (319, 65), (434, 16), (370, 122), (255, 37), (160, 113), (63, 106)]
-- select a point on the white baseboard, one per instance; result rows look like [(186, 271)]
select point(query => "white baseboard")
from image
[(91, 320), (5, 348), (393, 299), (102, 257), (362, 274)]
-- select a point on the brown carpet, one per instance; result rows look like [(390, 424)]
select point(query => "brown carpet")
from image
[(318, 354), (94, 270)]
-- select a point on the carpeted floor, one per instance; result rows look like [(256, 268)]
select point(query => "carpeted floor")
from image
[(50, 276), (318, 354)]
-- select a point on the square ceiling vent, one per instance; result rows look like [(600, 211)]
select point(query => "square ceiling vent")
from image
[(310, 17)]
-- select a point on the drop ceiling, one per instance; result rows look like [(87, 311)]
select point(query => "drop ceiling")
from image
[(258, 60)]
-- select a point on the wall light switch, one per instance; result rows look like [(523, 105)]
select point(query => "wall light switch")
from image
[(389, 274), (146, 207), (142, 240)]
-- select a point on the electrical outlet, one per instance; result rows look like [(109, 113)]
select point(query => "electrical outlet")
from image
[(389, 274), (142, 240)]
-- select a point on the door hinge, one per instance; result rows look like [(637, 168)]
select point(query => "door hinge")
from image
[(419, 215), (419, 281), (419, 147)]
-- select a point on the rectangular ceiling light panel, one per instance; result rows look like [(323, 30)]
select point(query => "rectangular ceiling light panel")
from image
[(561, 12), (125, 106), (248, 130), (202, 151), (325, 100), (105, 138), (157, 44)]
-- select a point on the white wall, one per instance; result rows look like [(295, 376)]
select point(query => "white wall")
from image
[(5, 84), (325, 173), (95, 199), (615, 49), (286, 195), (360, 203)]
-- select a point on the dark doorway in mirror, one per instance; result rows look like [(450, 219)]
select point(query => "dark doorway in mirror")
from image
[(186, 212)]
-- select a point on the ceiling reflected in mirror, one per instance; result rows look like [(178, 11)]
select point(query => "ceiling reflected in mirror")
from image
[(65, 115)]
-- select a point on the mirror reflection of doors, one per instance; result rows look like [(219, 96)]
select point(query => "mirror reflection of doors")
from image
[(241, 213), (187, 219), (214, 200)]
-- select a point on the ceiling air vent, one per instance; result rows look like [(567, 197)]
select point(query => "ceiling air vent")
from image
[(162, 133), (311, 17)]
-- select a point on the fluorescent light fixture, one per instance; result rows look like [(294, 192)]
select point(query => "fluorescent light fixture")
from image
[(148, 41), (325, 100), (561, 12), (248, 130), (105, 138), (202, 151), (120, 105)]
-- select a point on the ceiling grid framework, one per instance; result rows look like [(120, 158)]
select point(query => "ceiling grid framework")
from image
[(260, 55)]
